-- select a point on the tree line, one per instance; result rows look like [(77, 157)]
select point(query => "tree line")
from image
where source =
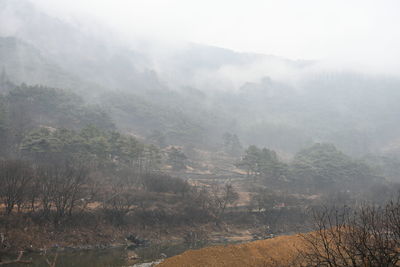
[(319, 168)]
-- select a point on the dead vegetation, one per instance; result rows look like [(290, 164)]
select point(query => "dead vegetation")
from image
[(368, 236), (282, 250)]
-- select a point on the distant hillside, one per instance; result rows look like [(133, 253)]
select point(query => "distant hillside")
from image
[(194, 93), (23, 63)]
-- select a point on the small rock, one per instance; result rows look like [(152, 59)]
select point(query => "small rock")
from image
[(163, 255), (148, 264), (136, 242), (133, 256)]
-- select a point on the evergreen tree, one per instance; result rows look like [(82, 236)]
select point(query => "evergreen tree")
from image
[(323, 166), (177, 159), (231, 144)]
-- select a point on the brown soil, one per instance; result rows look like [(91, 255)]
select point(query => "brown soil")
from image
[(279, 251)]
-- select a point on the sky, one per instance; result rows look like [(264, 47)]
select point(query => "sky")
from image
[(349, 31)]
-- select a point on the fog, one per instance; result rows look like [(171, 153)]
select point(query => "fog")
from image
[(338, 36), (359, 34), (292, 73), (156, 126)]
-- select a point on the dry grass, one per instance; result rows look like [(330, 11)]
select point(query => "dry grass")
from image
[(279, 251)]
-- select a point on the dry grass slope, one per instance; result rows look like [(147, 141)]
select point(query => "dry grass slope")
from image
[(279, 251)]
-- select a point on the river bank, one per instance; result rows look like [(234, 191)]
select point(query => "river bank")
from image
[(277, 251), (106, 244)]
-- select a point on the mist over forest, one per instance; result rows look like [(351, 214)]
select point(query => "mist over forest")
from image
[(129, 136)]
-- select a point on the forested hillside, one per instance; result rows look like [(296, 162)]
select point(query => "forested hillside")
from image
[(176, 95)]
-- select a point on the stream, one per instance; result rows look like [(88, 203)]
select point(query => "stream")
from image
[(109, 257)]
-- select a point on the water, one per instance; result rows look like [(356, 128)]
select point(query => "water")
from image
[(101, 258), (111, 257)]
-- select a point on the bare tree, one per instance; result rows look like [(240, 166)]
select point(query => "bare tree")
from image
[(62, 186), (220, 198), (15, 176), (368, 236), (118, 200)]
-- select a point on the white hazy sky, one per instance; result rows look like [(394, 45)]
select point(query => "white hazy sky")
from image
[(347, 30)]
